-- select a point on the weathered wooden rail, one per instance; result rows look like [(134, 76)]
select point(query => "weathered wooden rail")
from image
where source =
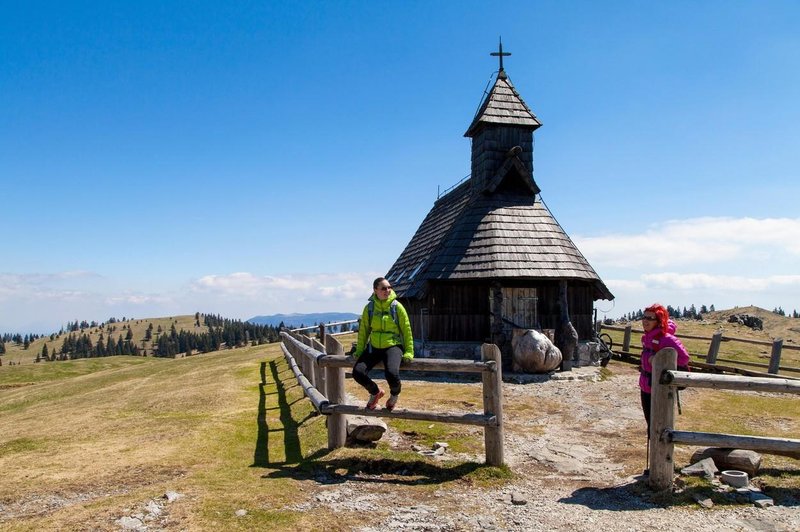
[(321, 374), (663, 435), (712, 359)]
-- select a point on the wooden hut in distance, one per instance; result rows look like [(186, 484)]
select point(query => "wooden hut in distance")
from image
[(490, 256)]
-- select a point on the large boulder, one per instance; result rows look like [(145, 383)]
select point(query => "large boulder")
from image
[(748, 320), (533, 352)]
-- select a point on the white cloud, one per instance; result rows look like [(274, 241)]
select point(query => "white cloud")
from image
[(44, 302), (315, 287), (726, 283), (694, 241), (722, 261)]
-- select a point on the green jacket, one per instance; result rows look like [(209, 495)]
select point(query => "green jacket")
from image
[(383, 332)]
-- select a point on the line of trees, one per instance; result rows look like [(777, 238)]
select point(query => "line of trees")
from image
[(81, 346), (25, 341), (693, 313), (221, 332)]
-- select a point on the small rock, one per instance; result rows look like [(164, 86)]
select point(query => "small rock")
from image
[(153, 508), (760, 500), (172, 496), (441, 444), (705, 467), (703, 501), (130, 523), (241, 513), (518, 499), (438, 451)]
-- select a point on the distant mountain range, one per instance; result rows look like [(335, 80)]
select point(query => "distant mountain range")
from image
[(307, 320)]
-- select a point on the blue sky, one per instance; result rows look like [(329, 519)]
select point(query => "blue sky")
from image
[(162, 158)]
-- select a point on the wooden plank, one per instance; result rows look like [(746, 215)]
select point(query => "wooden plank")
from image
[(713, 348), (319, 401), (735, 441), (400, 413), (417, 364), (731, 382), (775, 358)]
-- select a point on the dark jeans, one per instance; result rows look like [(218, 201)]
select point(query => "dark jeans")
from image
[(391, 359), (646, 409)]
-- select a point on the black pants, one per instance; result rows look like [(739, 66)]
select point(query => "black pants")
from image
[(646, 409), (391, 359)]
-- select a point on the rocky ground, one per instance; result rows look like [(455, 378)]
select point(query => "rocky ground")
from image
[(572, 471)]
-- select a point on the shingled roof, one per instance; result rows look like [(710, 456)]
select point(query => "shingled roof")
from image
[(501, 236), (505, 106)]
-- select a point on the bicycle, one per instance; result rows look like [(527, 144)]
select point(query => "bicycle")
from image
[(604, 348)]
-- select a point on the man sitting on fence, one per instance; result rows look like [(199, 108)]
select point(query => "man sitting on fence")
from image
[(384, 335)]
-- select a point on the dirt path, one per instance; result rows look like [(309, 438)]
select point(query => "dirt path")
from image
[(576, 468)]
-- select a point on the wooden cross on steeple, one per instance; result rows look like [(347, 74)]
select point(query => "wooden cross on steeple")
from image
[(500, 54)]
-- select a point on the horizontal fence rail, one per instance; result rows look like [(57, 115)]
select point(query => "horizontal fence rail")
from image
[(712, 359), (663, 435), (319, 370)]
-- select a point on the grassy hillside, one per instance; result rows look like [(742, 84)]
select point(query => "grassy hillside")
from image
[(18, 355)]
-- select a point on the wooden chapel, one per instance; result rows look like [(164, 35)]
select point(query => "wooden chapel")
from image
[(489, 256)]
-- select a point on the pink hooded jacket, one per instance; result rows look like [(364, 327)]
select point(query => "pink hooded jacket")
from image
[(654, 341)]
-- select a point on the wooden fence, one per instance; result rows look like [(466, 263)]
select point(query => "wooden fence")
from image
[(712, 359), (663, 435), (320, 372)]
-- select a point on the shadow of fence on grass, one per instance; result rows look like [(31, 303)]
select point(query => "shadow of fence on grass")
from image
[(288, 426)]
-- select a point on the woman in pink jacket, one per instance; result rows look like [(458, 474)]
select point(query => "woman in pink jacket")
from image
[(659, 332)]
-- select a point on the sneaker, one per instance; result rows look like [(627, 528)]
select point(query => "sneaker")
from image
[(373, 399), (392, 402)]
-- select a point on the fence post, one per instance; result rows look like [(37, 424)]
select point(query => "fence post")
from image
[(713, 349), (322, 333), (662, 421), (318, 371), (334, 382), (626, 340), (493, 405), (775, 358)]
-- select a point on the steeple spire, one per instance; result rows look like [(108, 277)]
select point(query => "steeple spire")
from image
[(500, 53)]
